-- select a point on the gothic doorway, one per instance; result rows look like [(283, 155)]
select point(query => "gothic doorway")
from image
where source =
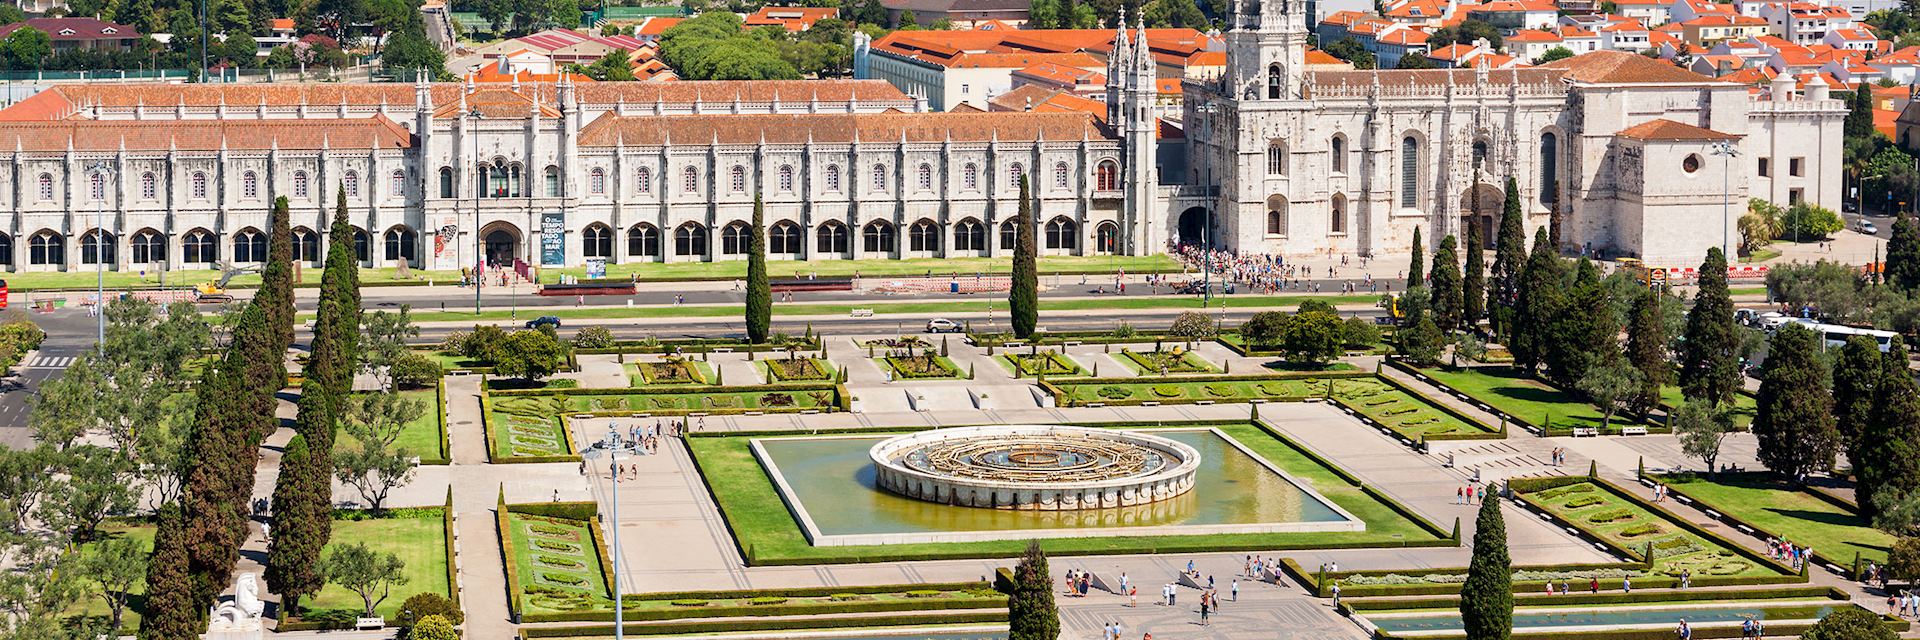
[(501, 244), (1481, 206), (1193, 226)]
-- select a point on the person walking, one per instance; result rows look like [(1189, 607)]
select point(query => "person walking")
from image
[(1234, 589), (1336, 596), (1133, 597), (1203, 611)]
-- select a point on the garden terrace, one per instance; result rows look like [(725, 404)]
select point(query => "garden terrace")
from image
[(1532, 403), (1194, 389), (773, 398), (1766, 505), (1060, 338), (452, 362), (1044, 363), (527, 428), (769, 533), (923, 366), (1609, 595), (672, 371), (1385, 403), (1641, 530), (784, 369), (556, 560), (1642, 621), (767, 603), (1169, 361), (1236, 343), (702, 345)]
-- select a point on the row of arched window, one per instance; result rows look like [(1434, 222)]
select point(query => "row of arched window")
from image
[(1277, 215), (833, 237), (198, 185), (503, 179), (200, 246)]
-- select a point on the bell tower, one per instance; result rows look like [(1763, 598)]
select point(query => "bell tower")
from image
[(1267, 49)]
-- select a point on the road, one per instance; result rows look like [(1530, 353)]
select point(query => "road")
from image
[(70, 332)]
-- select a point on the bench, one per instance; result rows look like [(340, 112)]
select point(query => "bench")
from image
[(1636, 430), (1585, 432), (370, 624), (860, 313)]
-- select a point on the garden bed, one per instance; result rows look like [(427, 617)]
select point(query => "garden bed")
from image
[(527, 428), (556, 405), (1163, 361), (1534, 404), (556, 559), (1771, 507), (798, 370), (1385, 403), (925, 366), (672, 371), (1643, 531), (1186, 390), (1044, 363)]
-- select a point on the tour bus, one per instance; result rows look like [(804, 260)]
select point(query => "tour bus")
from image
[(1835, 336)]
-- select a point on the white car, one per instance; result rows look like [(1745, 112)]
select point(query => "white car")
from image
[(1867, 227), (943, 325)]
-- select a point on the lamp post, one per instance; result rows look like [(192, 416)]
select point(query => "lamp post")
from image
[(100, 171), (479, 243), (611, 445), (1727, 152)]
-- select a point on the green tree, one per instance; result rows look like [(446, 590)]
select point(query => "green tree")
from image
[(1423, 342), (384, 344), (374, 466), (1445, 285), (368, 573), (1710, 356), (759, 295), (1903, 254), (1859, 122), (1466, 33), (1794, 425), (1417, 265), (613, 67), (276, 279), (1264, 328), (113, 568), (241, 49), (1193, 325), (1647, 348), (420, 606), (1890, 441), (1539, 300), (1486, 598), (432, 628), (1701, 427), (529, 355), (1473, 283), (1850, 623), (293, 553), (27, 48), (1352, 51), (1803, 222), (1311, 337), (1576, 342), (171, 613), (1023, 300), (1857, 374), (1608, 384), (1509, 258), (1413, 61), (1903, 561), (1555, 53), (1031, 613)]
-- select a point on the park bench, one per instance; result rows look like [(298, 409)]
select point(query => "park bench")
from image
[(374, 623), (1636, 430), (1585, 432), (860, 313)]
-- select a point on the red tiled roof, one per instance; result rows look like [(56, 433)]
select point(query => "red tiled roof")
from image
[(1620, 67), (1664, 129), (609, 130), (204, 135), (792, 18)]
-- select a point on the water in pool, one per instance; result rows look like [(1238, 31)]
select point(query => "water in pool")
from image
[(1523, 619)]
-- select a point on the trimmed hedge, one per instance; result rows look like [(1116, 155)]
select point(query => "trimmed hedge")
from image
[(1539, 484), (1492, 431), (453, 559), (784, 609), (588, 512), (841, 401), (503, 529), (446, 444), (807, 592), (719, 626), (1537, 599), (1774, 629), (1045, 338)]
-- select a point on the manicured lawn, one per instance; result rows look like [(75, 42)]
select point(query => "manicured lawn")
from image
[(1050, 363), (93, 605), (887, 308), (420, 437), (683, 372), (183, 279), (1174, 390), (1781, 510), (527, 426), (558, 564), (783, 369), (453, 361), (1505, 389), (1168, 360), (417, 536), (1744, 406), (1404, 413), (925, 366), (756, 514), (1626, 523)]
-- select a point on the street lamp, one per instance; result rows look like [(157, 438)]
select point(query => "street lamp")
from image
[(1727, 152), (611, 445), (479, 244), (100, 171)]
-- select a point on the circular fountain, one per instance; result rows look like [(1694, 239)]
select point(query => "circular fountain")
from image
[(1035, 467)]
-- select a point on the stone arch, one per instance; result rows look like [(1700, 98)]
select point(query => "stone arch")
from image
[(501, 240), (1481, 205)]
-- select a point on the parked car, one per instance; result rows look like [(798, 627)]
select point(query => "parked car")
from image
[(943, 325), (544, 321), (1866, 226)]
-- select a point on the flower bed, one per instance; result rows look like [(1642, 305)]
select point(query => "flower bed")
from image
[(797, 369), (527, 427), (549, 579), (1165, 361), (1045, 363), (1641, 531), (924, 366), (673, 370)]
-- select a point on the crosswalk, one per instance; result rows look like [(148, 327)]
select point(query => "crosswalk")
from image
[(50, 362)]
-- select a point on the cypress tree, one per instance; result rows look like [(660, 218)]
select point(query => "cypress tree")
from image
[(1031, 613), (1473, 282), (1903, 254), (1023, 300), (1575, 342), (1859, 122), (759, 295), (276, 279), (214, 495), (299, 506), (1509, 258), (1710, 358), (1417, 265), (1486, 598), (1445, 285), (1647, 348), (1538, 300), (1794, 425), (170, 613), (1890, 442), (261, 363), (1856, 375)]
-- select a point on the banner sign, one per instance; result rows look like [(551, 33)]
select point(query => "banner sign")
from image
[(553, 238)]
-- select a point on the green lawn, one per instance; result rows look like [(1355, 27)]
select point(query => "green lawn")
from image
[(681, 373), (784, 369), (760, 520), (888, 308), (1404, 413), (1050, 363), (1781, 510), (1175, 390), (1626, 523), (527, 427), (1745, 407), (417, 536), (420, 437), (558, 564), (1153, 363), (93, 605), (1505, 389), (454, 361)]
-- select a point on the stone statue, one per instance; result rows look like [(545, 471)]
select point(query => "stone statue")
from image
[(239, 618)]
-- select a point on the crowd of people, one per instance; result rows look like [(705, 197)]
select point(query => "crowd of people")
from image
[(1270, 273), (1794, 555)]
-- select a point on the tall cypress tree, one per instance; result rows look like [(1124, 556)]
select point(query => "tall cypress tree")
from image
[(170, 613), (276, 279), (1031, 613), (300, 502), (213, 497), (1417, 265), (1890, 442), (1575, 341), (1859, 122), (1537, 302), (1710, 356), (1473, 282), (1794, 424), (1486, 598), (1509, 258), (1903, 254), (759, 295), (1445, 285), (1647, 348), (1856, 375), (1023, 300)]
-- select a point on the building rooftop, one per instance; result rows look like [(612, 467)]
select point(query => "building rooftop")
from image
[(1664, 129)]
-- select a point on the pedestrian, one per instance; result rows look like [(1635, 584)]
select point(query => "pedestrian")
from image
[(1203, 612), (1626, 584), (1469, 494), (1124, 583), (1594, 587), (1235, 590), (1133, 597), (1458, 494), (1336, 596)]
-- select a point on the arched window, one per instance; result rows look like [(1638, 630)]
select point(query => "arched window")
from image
[(1062, 233), (1339, 151), (149, 247), (735, 238), (401, 244), (1274, 81), (96, 247), (690, 239), (1062, 175), (351, 182), (784, 238), (1276, 158), (786, 178), (1014, 173), (832, 178), (738, 178), (446, 183), (643, 240), (880, 178), (496, 184), (969, 235), (1549, 169), (1106, 238), (1337, 223), (46, 186), (597, 181), (830, 238), (149, 186), (197, 188), (199, 247), (877, 237), (6, 249), (643, 180), (923, 236), (1008, 235), (596, 241), (970, 177), (46, 248), (552, 177), (1409, 172), (249, 245), (926, 177), (1276, 215), (362, 245), (397, 184), (1479, 154), (1106, 176), (97, 185), (306, 245), (249, 185)]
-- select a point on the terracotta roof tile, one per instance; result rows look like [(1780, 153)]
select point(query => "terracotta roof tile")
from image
[(1620, 67), (205, 135), (609, 130), (1664, 129)]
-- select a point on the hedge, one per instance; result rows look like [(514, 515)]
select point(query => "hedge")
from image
[(453, 559), (582, 511), (1044, 338), (808, 592), (503, 526), (792, 609), (446, 445), (840, 403), (775, 624), (1774, 629), (1312, 580), (1497, 432), (1580, 597), (1789, 575), (1847, 570)]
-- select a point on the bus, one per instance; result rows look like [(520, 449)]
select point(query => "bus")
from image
[(1834, 336)]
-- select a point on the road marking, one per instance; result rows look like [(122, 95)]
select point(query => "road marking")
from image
[(51, 362)]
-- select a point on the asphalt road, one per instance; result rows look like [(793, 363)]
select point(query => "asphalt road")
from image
[(70, 332)]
